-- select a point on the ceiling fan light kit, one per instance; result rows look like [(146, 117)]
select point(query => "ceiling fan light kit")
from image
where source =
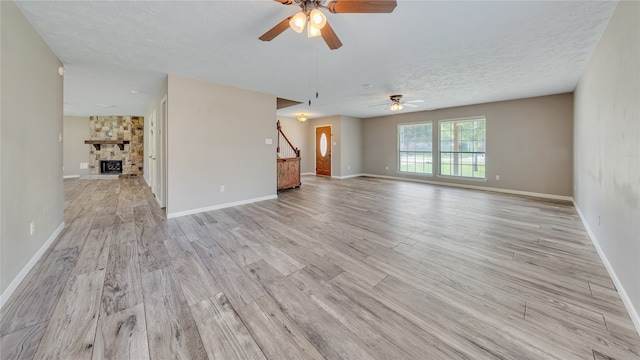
[(396, 106), (315, 20)]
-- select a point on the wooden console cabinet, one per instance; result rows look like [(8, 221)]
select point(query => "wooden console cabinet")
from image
[(288, 173)]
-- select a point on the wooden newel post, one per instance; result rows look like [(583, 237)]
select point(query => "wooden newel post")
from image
[(278, 143)]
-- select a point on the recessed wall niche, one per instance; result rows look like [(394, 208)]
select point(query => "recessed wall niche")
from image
[(121, 129)]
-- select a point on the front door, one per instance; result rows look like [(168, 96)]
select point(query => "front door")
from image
[(323, 150)]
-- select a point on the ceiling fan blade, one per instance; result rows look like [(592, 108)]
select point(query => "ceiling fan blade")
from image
[(330, 37), (410, 105), (285, 2), (361, 6), (379, 105), (414, 101), (276, 30)]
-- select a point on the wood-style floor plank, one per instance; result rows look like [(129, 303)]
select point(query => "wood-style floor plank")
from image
[(223, 333), (374, 323), (171, 330), (122, 335), (239, 288), (152, 253), (35, 302), (124, 228), (22, 344), (71, 331), (196, 281), (122, 284), (326, 334), (276, 335), (95, 251)]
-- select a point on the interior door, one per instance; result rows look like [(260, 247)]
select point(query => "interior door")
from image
[(162, 152), (323, 150), (152, 153)]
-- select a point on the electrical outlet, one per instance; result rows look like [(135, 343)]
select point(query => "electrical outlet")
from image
[(497, 177), (348, 167), (32, 228), (84, 165), (387, 168), (221, 188)]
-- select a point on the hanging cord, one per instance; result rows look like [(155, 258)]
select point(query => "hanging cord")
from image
[(317, 69), (311, 74)]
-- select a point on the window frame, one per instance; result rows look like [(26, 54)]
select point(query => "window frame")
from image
[(399, 151), (440, 149)]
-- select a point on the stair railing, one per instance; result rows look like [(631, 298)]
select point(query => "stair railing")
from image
[(287, 150)]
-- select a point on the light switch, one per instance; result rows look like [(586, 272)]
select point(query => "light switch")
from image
[(268, 141)]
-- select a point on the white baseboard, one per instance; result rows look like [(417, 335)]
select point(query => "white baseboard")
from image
[(25, 270), (308, 173), (475, 187), (221, 206), (347, 176), (71, 176), (626, 300)]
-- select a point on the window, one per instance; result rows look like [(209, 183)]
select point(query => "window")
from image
[(463, 147), (415, 148)]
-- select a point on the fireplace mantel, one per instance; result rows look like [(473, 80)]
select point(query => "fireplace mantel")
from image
[(97, 143)]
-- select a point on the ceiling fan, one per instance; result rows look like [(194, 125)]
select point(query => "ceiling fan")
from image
[(317, 21), (397, 104)]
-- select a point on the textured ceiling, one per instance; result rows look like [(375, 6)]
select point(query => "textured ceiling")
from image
[(447, 53)]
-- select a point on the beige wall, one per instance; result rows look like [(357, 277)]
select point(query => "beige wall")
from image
[(529, 143), (351, 144), (30, 127), (607, 151), (215, 139), (75, 151)]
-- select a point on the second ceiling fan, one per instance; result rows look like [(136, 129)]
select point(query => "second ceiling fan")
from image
[(317, 25)]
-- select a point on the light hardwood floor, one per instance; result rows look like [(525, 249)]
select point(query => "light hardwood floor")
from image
[(338, 269)]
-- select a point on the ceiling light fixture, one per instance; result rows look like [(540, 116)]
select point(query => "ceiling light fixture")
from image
[(315, 20), (396, 106), (302, 118)]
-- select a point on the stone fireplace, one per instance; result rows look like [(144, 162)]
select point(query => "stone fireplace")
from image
[(116, 144)]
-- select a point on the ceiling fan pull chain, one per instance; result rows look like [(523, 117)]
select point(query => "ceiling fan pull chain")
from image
[(316, 70)]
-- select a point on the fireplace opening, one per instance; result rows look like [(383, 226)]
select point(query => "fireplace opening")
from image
[(111, 166)]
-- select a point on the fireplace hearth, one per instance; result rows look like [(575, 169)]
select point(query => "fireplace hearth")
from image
[(110, 166)]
